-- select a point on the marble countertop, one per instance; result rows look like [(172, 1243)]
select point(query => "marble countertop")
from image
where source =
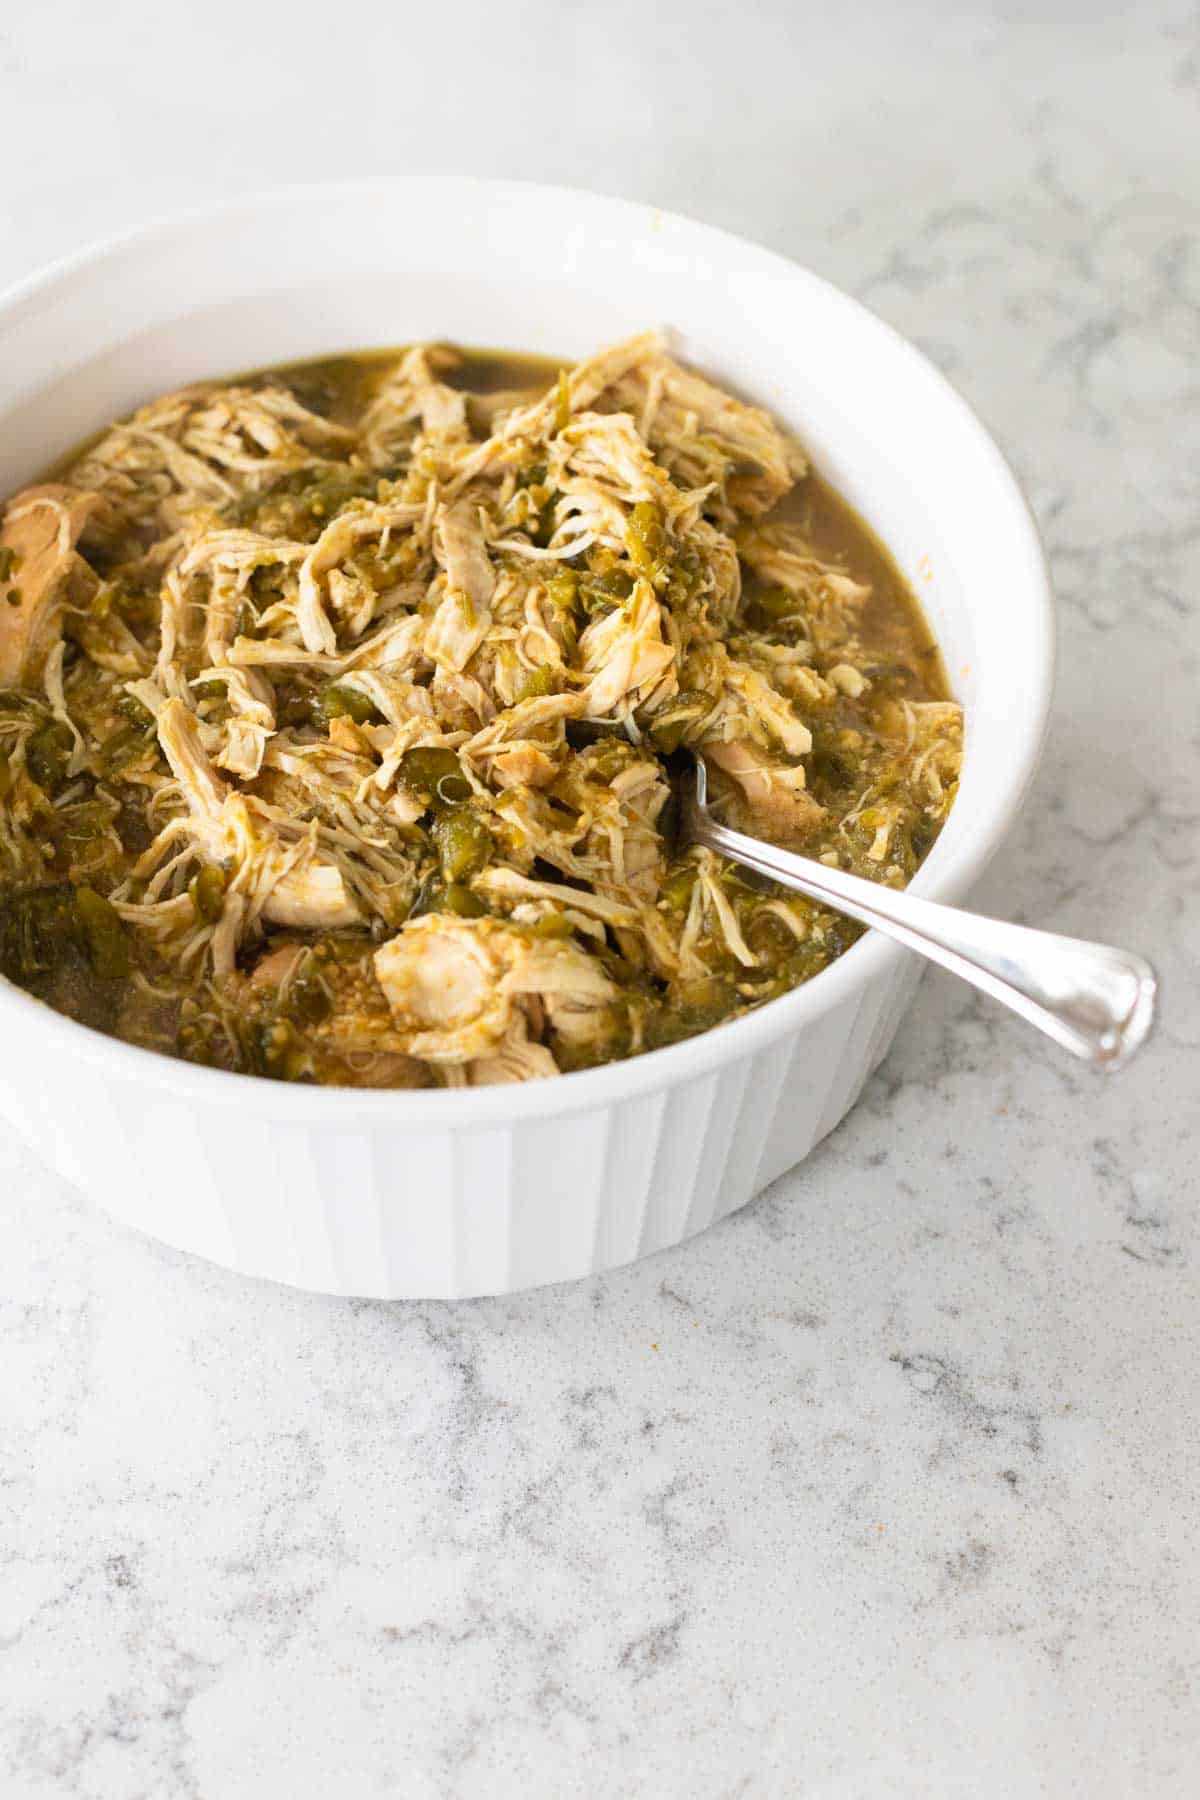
[(888, 1485)]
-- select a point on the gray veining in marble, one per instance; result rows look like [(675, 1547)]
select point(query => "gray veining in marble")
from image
[(889, 1485)]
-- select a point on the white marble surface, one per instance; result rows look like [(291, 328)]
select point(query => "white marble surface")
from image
[(888, 1486)]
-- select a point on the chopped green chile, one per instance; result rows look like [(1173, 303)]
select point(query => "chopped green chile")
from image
[(553, 924), (673, 722), (463, 841), (37, 928), (107, 939), (435, 774), (677, 889), (207, 891), (536, 684), (48, 755), (774, 606), (449, 897), (646, 538), (338, 702), (563, 589)]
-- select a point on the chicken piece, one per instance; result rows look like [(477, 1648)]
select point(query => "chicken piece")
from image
[(523, 765), (455, 632), (933, 731), (275, 967), (312, 898), (701, 433), (240, 552), (464, 989), (464, 552), (574, 993), (193, 450), (179, 736), (848, 680), (542, 422), (251, 700), (585, 382), (625, 655), (589, 379), (518, 1060), (776, 798), (600, 467), (256, 431), (289, 885), (229, 559), (780, 555), (461, 702), (524, 745), (147, 481), (509, 887), (711, 912), (542, 634), (635, 846), (441, 977), (322, 580), (443, 410), (541, 713), (382, 1069), (40, 530), (722, 572), (751, 701), (618, 795), (398, 646), (488, 412), (607, 451), (412, 392)]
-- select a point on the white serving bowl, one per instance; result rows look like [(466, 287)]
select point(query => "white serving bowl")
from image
[(503, 1188)]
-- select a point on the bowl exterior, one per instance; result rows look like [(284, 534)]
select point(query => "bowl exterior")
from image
[(371, 1211)]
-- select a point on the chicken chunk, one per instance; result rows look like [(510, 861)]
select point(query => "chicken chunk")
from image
[(290, 885), (201, 786), (518, 1060), (323, 582), (312, 898), (40, 530), (625, 654), (468, 567), (275, 968), (461, 990), (413, 394), (698, 432), (524, 765), (775, 798)]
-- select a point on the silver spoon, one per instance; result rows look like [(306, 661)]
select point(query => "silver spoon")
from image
[(1096, 1001)]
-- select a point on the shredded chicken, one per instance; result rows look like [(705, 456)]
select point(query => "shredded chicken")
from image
[(776, 796), (350, 693), (288, 885)]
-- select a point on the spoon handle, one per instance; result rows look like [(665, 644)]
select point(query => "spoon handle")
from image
[(1096, 1001)]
